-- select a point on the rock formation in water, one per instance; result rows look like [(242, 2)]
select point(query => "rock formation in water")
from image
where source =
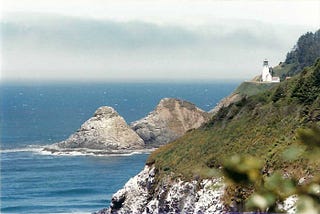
[(171, 119), (141, 194), (105, 130)]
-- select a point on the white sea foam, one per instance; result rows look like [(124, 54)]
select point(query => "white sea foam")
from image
[(23, 149), (54, 151), (97, 153), (74, 212)]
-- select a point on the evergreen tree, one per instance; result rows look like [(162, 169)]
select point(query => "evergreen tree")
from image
[(305, 52)]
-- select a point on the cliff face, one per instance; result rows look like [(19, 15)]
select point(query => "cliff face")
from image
[(142, 194), (105, 130), (171, 119)]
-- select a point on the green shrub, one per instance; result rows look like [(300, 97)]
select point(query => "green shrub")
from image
[(271, 190)]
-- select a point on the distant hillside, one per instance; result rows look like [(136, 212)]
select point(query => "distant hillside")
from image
[(303, 54)]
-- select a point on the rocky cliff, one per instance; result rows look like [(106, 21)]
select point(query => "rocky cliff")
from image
[(105, 130), (142, 194), (171, 119)]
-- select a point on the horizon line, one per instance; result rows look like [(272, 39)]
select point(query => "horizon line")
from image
[(97, 81)]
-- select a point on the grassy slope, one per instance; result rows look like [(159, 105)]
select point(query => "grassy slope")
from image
[(283, 70), (252, 88), (262, 125)]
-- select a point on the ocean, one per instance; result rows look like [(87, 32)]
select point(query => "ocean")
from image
[(33, 115)]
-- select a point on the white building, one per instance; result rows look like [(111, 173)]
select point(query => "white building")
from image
[(266, 76)]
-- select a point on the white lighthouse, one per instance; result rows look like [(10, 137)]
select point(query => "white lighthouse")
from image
[(266, 76)]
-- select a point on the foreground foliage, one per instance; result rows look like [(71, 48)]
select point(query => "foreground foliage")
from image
[(273, 189)]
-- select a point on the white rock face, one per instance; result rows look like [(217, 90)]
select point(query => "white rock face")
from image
[(142, 195), (105, 130), (289, 205), (171, 119)]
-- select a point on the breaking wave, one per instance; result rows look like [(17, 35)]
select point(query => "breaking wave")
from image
[(50, 150), (29, 148)]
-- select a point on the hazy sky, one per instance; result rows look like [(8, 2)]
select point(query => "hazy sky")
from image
[(148, 40)]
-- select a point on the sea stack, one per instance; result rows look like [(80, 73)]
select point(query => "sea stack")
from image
[(171, 119), (106, 130)]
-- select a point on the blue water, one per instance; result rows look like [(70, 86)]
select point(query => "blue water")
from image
[(39, 114)]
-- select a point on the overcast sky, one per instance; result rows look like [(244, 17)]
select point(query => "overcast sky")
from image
[(148, 40)]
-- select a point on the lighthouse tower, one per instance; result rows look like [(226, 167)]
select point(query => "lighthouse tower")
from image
[(266, 76)]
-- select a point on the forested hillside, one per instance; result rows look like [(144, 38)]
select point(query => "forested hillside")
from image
[(303, 54)]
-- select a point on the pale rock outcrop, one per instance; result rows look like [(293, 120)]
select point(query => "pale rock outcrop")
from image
[(106, 130), (225, 102), (142, 195), (171, 119), (145, 194)]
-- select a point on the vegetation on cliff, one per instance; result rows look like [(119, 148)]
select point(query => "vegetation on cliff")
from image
[(261, 126), (268, 192)]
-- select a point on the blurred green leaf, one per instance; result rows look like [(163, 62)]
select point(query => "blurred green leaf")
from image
[(307, 205), (314, 189), (243, 169), (288, 188), (293, 153), (273, 182), (283, 187), (260, 201), (310, 137)]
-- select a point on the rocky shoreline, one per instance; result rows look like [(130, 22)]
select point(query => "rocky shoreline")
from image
[(142, 194)]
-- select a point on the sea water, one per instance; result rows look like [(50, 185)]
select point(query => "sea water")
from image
[(33, 115)]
